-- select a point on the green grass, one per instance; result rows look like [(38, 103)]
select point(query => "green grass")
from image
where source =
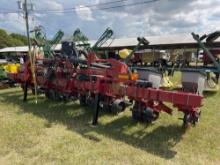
[(61, 133)]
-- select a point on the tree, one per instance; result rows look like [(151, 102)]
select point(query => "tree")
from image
[(19, 37), (4, 39), (11, 40)]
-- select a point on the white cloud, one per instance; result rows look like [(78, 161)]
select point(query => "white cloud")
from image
[(158, 18), (47, 6), (165, 17), (53, 5), (12, 22), (38, 15), (84, 13)]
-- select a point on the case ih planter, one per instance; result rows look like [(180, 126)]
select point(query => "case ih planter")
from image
[(107, 84)]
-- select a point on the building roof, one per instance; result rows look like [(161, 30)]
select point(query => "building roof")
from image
[(159, 42), (163, 42), (14, 49), (21, 49)]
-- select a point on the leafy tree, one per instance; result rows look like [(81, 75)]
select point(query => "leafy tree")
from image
[(19, 37), (4, 39), (13, 39)]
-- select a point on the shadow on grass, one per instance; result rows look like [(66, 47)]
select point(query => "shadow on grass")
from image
[(158, 141), (207, 94)]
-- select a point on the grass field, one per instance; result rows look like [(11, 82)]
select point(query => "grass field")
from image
[(60, 133)]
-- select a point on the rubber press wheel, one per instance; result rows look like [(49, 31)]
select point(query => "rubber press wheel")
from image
[(186, 121)]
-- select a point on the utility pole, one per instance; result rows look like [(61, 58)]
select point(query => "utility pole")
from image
[(26, 8), (27, 25)]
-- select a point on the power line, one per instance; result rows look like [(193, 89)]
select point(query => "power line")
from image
[(131, 4), (9, 12), (73, 8), (104, 8), (83, 8), (5, 10)]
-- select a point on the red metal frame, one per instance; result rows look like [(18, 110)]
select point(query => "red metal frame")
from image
[(108, 85)]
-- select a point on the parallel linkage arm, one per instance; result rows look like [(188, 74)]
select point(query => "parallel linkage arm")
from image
[(202, 45), (42, 41)]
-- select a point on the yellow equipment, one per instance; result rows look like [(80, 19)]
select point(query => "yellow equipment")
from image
[(166, 82), (124, 53), (149, 57), (11, 68)]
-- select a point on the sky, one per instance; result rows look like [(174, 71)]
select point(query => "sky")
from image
[(162, 17)]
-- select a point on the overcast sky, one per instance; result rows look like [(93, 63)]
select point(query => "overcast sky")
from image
[(157, 18)]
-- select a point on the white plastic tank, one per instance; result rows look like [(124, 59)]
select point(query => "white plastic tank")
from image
[(150, 75), (193, 81)]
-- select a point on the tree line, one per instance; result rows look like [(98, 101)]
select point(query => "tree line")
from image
[(13, 39)]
